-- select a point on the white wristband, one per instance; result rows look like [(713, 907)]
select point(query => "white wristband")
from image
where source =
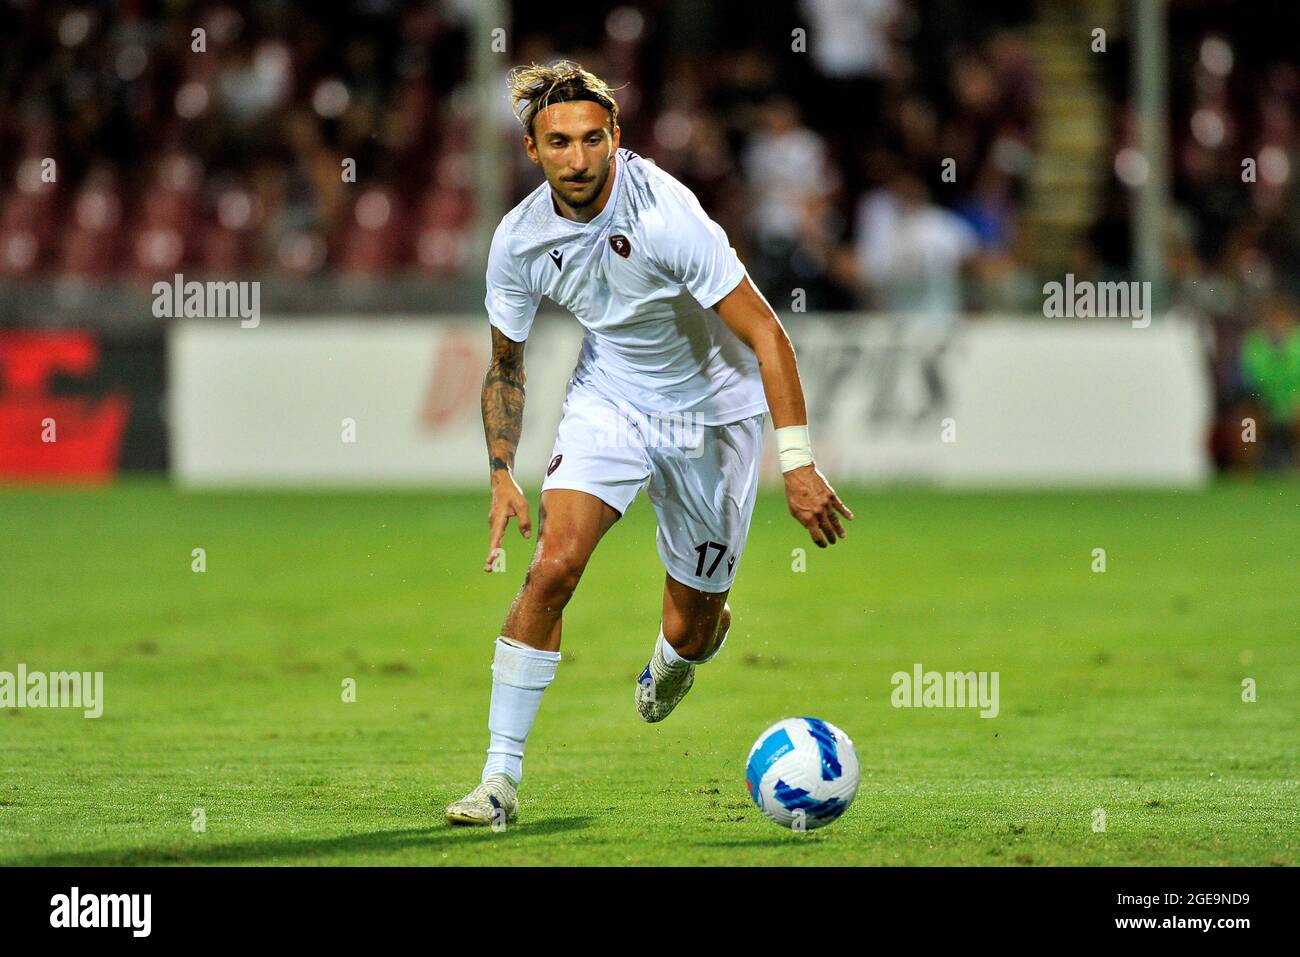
[(793, 446)]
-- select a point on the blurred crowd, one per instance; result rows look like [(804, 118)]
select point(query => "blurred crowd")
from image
[(1233, 243), (278, 140), (214, 139), (272, 139)]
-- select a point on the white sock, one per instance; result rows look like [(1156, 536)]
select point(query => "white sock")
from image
[(673, 660), (519, 676)]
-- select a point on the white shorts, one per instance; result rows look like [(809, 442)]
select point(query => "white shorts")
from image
[(701, 479)]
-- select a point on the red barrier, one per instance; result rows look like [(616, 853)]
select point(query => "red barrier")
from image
[(46, 435)]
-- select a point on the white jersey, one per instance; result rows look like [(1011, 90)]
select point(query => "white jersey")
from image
[(642, 278)]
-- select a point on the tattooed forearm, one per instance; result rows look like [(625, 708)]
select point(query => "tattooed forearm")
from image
[(503, 401)]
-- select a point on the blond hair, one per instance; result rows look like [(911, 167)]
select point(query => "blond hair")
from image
[(535, 87)]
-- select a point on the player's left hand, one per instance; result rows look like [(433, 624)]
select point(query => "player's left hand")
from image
[(813, 503)]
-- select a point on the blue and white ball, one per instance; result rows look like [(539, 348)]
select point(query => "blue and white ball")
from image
[(802, 773)]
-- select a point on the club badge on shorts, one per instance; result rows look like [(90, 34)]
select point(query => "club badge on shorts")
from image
[(555, 464), (618, 242)]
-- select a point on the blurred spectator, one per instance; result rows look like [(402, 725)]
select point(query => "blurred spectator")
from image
[(1270, 367), (911, 253), (786, 168), (849, 44), (849, 40)]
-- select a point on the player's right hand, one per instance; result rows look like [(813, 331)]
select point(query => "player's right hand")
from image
[(507, 499)]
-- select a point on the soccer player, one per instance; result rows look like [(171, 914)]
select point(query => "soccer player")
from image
[(680, 345)]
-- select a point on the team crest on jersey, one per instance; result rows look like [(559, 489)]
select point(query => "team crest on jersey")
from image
[(618, 242), (555, 464)]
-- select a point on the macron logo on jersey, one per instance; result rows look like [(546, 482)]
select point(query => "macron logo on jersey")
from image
[(557, 257)]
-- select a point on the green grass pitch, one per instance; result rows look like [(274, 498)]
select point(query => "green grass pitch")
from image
[(1119, 690)]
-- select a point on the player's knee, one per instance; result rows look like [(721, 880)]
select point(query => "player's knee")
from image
[(554, 578)]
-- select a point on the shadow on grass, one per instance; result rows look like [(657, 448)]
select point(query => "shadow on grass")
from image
[(435, 839)]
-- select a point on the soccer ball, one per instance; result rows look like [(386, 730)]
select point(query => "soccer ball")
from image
[(802, 773)]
